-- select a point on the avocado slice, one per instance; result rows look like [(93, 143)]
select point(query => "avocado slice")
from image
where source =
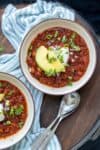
[(42, 60)]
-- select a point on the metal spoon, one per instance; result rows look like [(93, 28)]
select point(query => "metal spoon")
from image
[(68, 105)]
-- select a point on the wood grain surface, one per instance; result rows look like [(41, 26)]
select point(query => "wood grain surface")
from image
[(74, 128)]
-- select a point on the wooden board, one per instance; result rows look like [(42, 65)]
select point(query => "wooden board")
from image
[(73, 129)]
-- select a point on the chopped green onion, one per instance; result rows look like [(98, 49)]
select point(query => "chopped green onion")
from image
[(48, 36), (20, 124), (64, 39), (8, 122), (75, 47), (70, 77), (56, 34), (12, 111), (72, 43), (10, 92), (72, 38), (73, 35)]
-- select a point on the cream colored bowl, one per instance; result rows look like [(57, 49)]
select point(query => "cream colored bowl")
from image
[(34, 31), (13, 139)]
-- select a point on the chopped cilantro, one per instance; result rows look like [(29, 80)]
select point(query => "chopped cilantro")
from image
[(48, 36), (19, 110), (51, 60), (8, 122), (50, 72), (20, 124), (60, 57), (56, 34), (16, 110), (51, 57)]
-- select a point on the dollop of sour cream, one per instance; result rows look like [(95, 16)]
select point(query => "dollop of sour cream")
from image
[(65, 54), (2, 116), (61, 52)]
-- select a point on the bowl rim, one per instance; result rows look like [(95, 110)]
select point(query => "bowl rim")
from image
[(59, 19), (23, 84)]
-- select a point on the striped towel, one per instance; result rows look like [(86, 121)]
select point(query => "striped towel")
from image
[(15, 24)]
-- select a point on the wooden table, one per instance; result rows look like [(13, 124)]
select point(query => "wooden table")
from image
[(74, 129)]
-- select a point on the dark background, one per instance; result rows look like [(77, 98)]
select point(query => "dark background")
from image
[(89, 10)]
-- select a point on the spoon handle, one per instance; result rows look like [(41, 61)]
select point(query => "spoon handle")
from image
[(43, 139), (45, 143), (51, 132), (40, 139)]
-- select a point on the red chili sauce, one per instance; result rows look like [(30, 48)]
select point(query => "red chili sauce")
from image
[(78, 59), (14, 111)]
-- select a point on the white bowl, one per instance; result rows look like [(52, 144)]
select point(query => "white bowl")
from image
[(34, 31), (13, 139)]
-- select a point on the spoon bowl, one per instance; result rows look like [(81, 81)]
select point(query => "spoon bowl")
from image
[(69, 103)]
